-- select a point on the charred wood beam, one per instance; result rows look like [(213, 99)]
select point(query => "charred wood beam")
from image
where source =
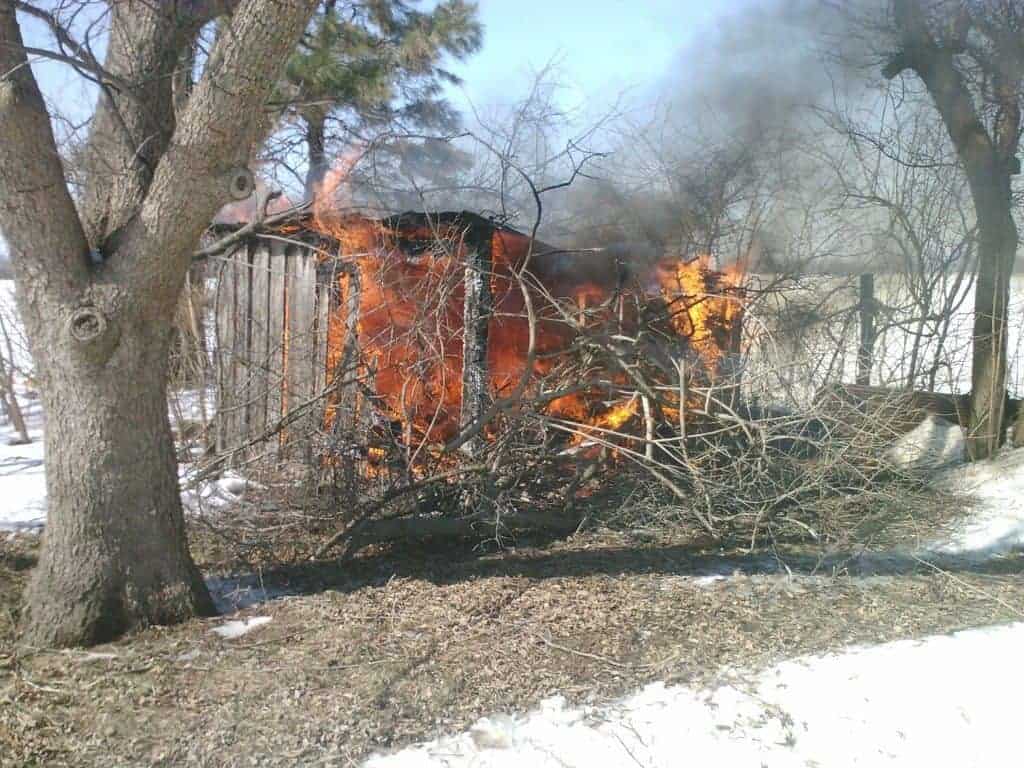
[(727, 376), (352, 302), (476, 316)]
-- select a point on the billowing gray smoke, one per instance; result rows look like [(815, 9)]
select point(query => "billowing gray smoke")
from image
[(740, 150), (729, 151)]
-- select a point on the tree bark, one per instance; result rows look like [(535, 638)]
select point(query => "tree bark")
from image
[(866, 311), (989, 161), (997, 249), (114, 552), (132, 125), (115, 555)]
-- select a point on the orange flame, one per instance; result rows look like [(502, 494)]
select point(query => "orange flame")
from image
[(704, 304), (410, 305)]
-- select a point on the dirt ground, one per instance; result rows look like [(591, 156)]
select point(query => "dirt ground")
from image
[(396, 647)]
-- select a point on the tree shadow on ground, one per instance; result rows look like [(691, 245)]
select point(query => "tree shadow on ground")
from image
[(452, 565)]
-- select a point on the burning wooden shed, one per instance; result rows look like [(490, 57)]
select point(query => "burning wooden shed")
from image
[(331, 323)]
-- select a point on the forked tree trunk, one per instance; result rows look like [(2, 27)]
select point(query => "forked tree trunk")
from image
[(98, 278), (115, 555)]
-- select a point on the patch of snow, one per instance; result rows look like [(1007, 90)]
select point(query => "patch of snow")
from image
[(707, 581), (23, 481), (230, 482), (214, 493), (191, 404), (88, 657), (238, 627), (23, 502), (23, 363), (996, 523), (22, 474), (933, 443), (22, 477), (944, 701)]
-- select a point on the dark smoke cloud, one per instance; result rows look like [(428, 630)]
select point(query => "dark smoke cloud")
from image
[(745, 104)]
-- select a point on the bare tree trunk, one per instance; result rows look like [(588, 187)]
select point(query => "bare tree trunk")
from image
[(996, 253), (115, 555), (866, 351), (11, 406), (7, 394), (989, 160), (316, 146), (97, 286)]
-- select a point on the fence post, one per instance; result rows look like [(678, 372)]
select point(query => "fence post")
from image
[(866, 309), (476, 317)]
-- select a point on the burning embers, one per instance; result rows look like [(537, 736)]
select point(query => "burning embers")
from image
[(594, 320)]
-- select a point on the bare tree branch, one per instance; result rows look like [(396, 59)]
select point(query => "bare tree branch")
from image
[(37, 214)]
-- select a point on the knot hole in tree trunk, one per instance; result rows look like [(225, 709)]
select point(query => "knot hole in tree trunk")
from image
[(241, 184), (87, 324), (89, 327)]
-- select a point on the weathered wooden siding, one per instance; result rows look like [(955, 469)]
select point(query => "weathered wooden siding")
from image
[(272, 308)]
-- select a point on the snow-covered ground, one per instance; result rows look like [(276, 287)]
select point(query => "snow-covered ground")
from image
[(996, 524), (944, 701), (23, 480)]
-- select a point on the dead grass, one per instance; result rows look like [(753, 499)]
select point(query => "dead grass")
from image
[(396, 647)]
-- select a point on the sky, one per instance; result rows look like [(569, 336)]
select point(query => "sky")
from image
[(602, 47)]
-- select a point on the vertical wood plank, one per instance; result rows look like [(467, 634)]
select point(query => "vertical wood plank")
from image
[(343, 366), (259, 342), (299, 377), (226, 372), (329, 340), (242, 353), (276, 336), (326, 293)]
